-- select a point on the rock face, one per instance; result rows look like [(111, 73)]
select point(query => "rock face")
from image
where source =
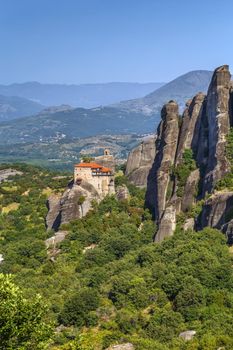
[(140, 161), (217, 210), (190, 190), (188, 137), (122, 192), (73, 204), (218, 115), (159, 176), (198, 140), (53, 218)]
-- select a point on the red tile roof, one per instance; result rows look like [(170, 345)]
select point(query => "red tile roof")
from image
[(89, 165), (93, 166)]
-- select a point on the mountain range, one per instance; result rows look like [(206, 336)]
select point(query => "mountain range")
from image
[(83, 95), (133, 116), (12, 107), (56, 135), (180, 89)]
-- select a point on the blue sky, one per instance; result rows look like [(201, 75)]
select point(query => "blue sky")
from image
[(89, 41)]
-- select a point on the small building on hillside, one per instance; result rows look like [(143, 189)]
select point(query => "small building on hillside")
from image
[(100, 177)]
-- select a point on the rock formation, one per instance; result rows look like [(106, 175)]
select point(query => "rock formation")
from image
[(140, 161), (218, 115), (190, 159), (73, 204), (122, 193), (166, 143)]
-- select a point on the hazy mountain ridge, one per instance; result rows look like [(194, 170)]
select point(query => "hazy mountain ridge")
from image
[(83, 95), (124, 118), (180, 89), (12, 107)]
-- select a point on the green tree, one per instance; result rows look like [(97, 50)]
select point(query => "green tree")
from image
[(22, 324)]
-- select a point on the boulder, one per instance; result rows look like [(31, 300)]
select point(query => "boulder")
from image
[(187, 335)]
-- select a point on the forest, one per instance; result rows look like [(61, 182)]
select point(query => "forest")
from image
[(109, 284)]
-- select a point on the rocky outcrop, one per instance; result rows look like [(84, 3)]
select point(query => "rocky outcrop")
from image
[(228, 230), (190, 190), (166, 144), (53, 218), (73, 204), (188, 137), (126, 346), (140, 161), (216, 211), (122, 193), (218, 116), (76, 201), (167, 224), (187, 335), (174, 184), (52, 243)]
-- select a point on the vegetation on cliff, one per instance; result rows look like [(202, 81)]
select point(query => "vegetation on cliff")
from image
[(183, 170), (110, 284)]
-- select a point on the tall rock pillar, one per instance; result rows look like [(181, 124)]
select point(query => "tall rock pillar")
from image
[(218, 117), (166, 144)]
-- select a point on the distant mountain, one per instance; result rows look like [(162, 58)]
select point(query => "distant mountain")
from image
[(139, 116), (180, 89), (12, 107), (84, 95)]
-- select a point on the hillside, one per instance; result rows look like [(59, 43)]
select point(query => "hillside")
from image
[(106, 283), (75, 123), (83, 95), (60, 153), (180, 89), (12, 107)]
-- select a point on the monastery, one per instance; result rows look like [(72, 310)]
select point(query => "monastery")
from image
[(99, 176)]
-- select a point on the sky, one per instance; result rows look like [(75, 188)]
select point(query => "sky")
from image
[(95, 41)]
